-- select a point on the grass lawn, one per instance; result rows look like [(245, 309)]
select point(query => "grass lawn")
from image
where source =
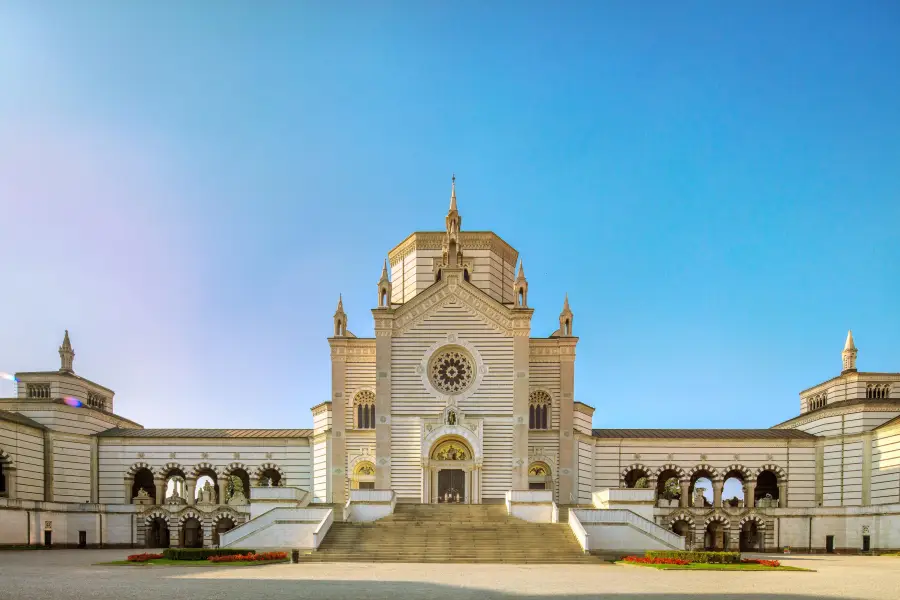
[(713, 567), (166, 562)]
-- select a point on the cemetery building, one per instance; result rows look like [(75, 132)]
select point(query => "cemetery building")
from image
[(463, 397)]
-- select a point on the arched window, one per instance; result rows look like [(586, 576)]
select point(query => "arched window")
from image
[(364, 409), (878, 392), (539, 403)]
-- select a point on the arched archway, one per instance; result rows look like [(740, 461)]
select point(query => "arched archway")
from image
[(237, 490), (702, 477), (270, 475), (769, 482), (540, 477), (716, 534), (142, 483), (6, 475), (191, 532), (222, 524), (734, 482), (752, 538), (363, 477), (636, 476), (156, 532), (668, 485), (452, 462)]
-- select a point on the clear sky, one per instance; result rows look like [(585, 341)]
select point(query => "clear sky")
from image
[(187, 186)]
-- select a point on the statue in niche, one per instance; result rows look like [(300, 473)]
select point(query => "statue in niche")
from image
[(143, 493), (451, 418), (237, 491), (207, 494)]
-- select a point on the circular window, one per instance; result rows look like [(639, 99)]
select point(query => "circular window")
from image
[(451, 370)]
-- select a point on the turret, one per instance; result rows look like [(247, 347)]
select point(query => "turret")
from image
[(520, 288), (565, 319), (340, 319), (66, 355), (848, 355), (384, 288)]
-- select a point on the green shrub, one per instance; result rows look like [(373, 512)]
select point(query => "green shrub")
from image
[(202, 553), (718, 558)]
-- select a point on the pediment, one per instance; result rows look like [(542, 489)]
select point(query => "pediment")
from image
[(454, 290)]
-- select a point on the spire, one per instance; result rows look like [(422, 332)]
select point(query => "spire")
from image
[(453, 193), (848, 356), (520, 288), (451, 250), (565, 319), (66, 355), (849, 345), (384, 288), (340, 319)]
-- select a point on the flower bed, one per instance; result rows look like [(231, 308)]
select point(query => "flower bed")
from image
[(759, 561), (643, 560), (722, 558), (262, 556), (143, 557)]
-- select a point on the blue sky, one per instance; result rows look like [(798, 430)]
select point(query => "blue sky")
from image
[(187, 187)]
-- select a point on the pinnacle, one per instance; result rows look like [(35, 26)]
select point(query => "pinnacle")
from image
[(849, 344)]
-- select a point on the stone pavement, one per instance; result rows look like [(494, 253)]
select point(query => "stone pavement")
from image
[(70, 574)]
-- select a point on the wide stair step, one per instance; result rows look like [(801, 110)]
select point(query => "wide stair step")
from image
[(442, 533)]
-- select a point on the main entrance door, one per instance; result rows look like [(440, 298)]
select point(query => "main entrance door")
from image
[(451, 485)]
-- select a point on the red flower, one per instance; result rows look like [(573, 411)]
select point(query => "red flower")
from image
[(143, 557)]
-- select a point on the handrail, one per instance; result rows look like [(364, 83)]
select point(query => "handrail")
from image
[(621, 515), (267, 518), (554, 518), (580, 532), (326, 523)]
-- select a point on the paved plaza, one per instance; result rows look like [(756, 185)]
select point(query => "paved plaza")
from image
[(72, 574)]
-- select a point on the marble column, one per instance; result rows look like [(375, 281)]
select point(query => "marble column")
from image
[(127, 483), (685, 500), (782, 494), (750, 494), (223, 487), (190, 490), (718, 486), (160, 485)]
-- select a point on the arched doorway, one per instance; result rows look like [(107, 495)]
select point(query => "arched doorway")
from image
[(222, 525), (684, 528), (767, 491), (751, 538), (451, 463), (363, 476), (716, 536), (192, 532), (539, 476), (157, 533)]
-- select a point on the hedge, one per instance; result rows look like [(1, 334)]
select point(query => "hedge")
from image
[(719, 558), (202, 553)]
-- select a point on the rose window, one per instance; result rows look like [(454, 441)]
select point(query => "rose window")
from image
[(452, 371)]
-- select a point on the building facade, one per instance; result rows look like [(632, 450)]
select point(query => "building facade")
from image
[(454, 400)]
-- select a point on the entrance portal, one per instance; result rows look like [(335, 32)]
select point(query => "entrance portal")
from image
[(451, 486)]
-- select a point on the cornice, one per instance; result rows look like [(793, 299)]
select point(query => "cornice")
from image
[(873, 406), (321, 407), (355, 353), (469, 240)]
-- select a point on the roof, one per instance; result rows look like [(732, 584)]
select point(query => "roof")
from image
[(12, 417), (207, 433), (894, 421), (889, 403), (703, 434), (62, 374)]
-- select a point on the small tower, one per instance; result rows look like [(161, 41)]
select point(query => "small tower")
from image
[(66, 356), (849, 354), (384, 288), (452, 254), (565, 319), (340, 319), (520, 288)]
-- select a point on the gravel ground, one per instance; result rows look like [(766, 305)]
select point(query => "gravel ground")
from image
[(71, 574)]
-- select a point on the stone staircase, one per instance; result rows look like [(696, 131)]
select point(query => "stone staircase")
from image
[(457, 533)]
